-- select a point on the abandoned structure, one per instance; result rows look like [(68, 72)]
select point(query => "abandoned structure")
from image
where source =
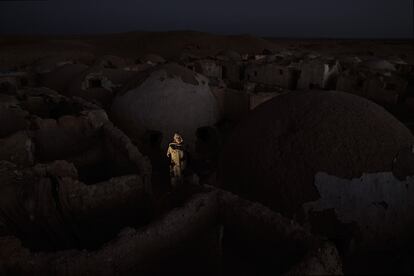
[(318, 74), (11, 81), (232, 66), (336, 162), (48, 64), (210, 233), (273, 74), (170, 99), (401, 66), (378, 65), (98, 84), (383, 88), (45, 126), (48, 208), (277, 181), (152, 59), (111, 62), (386, 89), (229, 55), (209, 68), (60, 78), (64, 204)]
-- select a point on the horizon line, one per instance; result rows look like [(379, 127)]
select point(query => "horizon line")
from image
[(40, 34)]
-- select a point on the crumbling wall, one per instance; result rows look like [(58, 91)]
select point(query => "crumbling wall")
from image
[(11, 120), (48, 208), (273, 242), (186, 240), (27, 206), (97, 148), (380, 201), (209, 68), (312, 75), (101, 80), (98, 84), (12, 81), (330, 76), (54, 127), (15, 142), (98, 212), (316, 132), (385, 90), (133, 251), (60, 139), (382, 87), (17, 148), (120, 144), (231, 71), (272, 74)]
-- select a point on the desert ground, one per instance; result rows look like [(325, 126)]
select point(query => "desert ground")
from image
[(186, 152)]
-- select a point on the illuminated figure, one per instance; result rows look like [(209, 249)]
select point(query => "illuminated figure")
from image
[(177, 156)]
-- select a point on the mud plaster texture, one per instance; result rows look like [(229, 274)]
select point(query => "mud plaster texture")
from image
[(149, 249), (280, 154)]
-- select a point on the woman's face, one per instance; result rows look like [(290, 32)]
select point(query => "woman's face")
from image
[(178, 139)]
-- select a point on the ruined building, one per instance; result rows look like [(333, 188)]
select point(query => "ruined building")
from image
[(279, 181), (98, 84), (318, 73), (169, 99), (212, 232), (338, 163), (273, 74), (43, 126)]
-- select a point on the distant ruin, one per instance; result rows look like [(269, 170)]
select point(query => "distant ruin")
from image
[(300, 158)]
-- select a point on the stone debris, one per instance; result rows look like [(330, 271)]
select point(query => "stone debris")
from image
[(191, 232)]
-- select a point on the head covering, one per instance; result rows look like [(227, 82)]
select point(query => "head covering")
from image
[(177, 138)]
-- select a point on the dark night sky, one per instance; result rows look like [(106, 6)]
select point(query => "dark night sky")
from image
[(287, 18)]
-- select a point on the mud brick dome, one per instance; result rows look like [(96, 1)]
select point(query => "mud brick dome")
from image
[(169, 99), (334, 161)]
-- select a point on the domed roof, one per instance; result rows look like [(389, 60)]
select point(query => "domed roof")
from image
[(110, 61), (169, 99), (152, 58), (60, 78), (378, 64), (322, 149), (98, 84), (49, 64), (229, 55)]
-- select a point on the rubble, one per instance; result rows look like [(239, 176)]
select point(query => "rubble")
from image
[(190, 238), (45, 126), (17, 148), (48, 208), (323, 178)]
